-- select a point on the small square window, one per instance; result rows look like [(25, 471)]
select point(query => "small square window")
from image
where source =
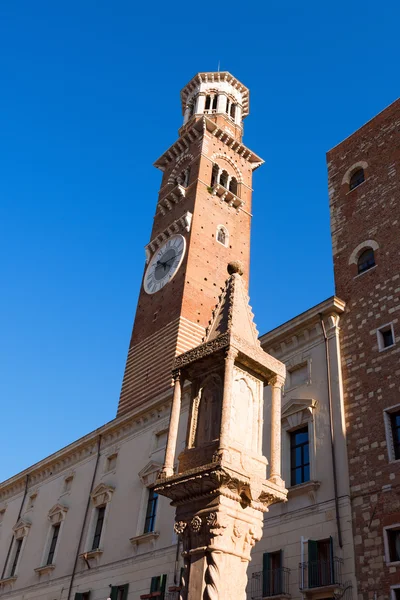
[(67, 484), (393, 539), (111, 462), (386, 337)]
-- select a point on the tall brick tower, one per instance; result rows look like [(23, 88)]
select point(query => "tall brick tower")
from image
[(364, 187), (202, 222)]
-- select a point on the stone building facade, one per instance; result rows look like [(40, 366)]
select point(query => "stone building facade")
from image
[(364, 191), (87, 523)]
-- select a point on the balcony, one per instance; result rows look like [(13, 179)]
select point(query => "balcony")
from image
[(173, 197), (275, 584), (172, 595), (321, 576), (226, 195)]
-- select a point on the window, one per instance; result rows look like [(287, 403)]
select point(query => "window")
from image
[(320, 563), (99, 527), (82, 596), (67, 484), (272, 574), (233, 186), (186, 177), (32, 500), (208, 103), (357, 178), (395, 423), (17, 552), (214, 175), (158, 584), (393, 544), (53, 544), (111, 462), (119, 592), (222, 235), (299, 456), (151, 512), (396, 593), (214, 103), (298, 375), (233, 111), (385, 337), (366, 260), (223, 179)]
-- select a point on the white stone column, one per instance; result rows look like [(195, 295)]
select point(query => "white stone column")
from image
[(238, 115), (221, 104), (227, 398), (276, 384), (200, 104), (168, 468)]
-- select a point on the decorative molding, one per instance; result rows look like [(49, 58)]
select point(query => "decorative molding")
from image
[(148, 475), (296, 412), (357, 250), (91, 554), (44, 569), (7, 581), (184, 222), (309, 488), (143, 538), (184, 157), (102, 494), (362, 164), (229, 160), (57, 513), (171, 198), (226, 196), (21, 528)]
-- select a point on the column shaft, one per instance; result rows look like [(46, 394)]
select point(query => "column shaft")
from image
[(276, 400), (168, 468), (227, 399)]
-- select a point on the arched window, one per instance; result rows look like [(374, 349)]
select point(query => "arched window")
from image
[(357, 178), (208, 103), (214, 175), (186, 177), (366, 260), (233, 186), (191, 111), (224, 179), (222, 235), (214, 103), (233, 110)]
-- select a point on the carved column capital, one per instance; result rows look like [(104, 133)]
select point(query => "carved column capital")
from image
[(231, 354), (176, 374), (276, 381)]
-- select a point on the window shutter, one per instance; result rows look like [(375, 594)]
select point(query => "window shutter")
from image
[(280, 580), (312, 563), (266, 574), (78, 596), (331, 562), (163, 583), (125, 591), (153, 585), (114, 592)]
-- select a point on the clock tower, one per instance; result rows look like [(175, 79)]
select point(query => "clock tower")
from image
[(202, 222)]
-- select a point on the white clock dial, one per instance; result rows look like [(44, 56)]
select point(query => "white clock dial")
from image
[(164, 264)]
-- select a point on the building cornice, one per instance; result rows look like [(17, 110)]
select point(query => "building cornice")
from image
[(196, 130), (305, 320), (216, 77)]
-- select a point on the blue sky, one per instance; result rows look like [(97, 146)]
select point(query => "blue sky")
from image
[(89, 100)]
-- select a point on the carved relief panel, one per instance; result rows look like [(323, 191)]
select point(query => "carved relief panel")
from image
[(247, 409), (206, 411)]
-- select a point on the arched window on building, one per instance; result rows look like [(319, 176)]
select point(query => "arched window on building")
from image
[(208, 103), (186, 177), (357, 178), (214, 175), (223, 179), (214, 102), (366, 260), (222, 235), (233, 111), (191, 109), (233, 186)]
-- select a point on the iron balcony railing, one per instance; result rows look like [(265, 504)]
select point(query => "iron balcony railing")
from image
[(172, 595), (265, 584), (320, 573)]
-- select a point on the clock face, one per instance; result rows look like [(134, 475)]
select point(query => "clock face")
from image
[(164, 264)]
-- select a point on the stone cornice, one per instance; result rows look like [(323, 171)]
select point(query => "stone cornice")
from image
[(195, 131), (216, 77), (86, 447), (305, 320)]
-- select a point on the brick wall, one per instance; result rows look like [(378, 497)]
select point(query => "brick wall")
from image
[(371, 377)]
